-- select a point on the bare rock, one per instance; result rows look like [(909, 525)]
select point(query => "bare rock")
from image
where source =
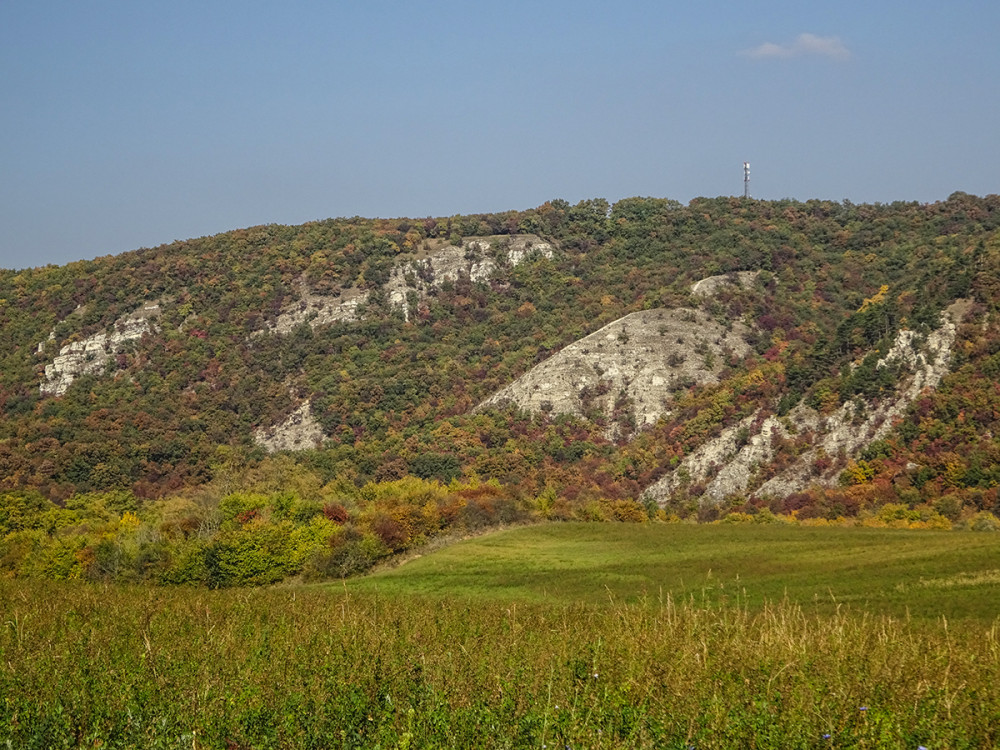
[(299, 431), (319, 310), (90, 356), (846, 432), (477, 258), (630, 368), (709, 286), (727, 462), (732, 462)]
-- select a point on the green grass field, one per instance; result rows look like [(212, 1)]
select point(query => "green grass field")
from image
[(555, 636), (923, 574)]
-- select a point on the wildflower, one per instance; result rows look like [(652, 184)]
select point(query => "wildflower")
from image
[(863, 708), (595, 675), (826, 736)]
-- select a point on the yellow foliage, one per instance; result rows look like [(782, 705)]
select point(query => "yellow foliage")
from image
[(623, 510), (954, 471), (406, 491), (755, 377), (877, 299), (130, 521), (815, 522), (934, 522), (838, 521), (860, 472)]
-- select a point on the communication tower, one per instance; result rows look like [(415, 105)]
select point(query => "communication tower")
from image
[(746, 179)]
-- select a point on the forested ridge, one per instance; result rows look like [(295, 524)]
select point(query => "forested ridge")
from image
[(149, 469)]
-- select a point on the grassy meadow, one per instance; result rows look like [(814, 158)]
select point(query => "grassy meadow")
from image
[(902, 573), (576, 635)]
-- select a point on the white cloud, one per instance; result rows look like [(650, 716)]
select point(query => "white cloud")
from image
[(804, 44)]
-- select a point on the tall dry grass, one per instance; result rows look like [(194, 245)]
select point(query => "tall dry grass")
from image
[(91, 666)]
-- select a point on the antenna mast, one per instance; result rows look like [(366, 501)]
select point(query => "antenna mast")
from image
[(746, 179)]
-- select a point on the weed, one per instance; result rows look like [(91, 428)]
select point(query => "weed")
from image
[(311, 667)]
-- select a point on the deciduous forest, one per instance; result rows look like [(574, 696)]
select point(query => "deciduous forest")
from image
[(147, 468)]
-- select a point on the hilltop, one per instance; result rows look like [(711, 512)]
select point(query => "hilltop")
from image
[(568, 361)]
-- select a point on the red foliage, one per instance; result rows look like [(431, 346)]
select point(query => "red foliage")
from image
[(390, 531), (336, 513)]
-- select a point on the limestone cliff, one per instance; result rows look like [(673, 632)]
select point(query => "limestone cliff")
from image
[(298, 431), (412, 279), (707, 287), (735, 462), (90, 356), (628, 372)]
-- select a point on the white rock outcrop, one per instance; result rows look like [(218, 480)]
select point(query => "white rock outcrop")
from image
[(299, 431), (477, 258), (90, 356), (729, 463), (845, 433), (636, 364), (318, 310), (709, 286), (726, 463)]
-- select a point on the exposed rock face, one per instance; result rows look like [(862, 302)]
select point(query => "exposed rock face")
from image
[(708, 286), (630, 368), (91, 355), (477, 258), (319, 310), (737, 455), (298, 432), (847, 433)]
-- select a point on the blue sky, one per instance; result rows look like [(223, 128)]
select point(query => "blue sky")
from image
[(126, 124)]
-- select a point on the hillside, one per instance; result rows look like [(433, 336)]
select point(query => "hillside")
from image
[(587, 361), (628, 373)]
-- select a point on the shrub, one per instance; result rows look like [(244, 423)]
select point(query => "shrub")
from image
[(984, 521), (351, 553), (336, 513), (949, 506)]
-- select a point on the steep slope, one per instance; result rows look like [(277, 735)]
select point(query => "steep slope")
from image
[(585, 352), (626, 374), (91, 355), (411, 280), (740, 459), (309, 400)]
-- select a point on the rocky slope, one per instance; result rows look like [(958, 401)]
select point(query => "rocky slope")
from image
[(298, 431), (90, 356), (365, 347), (628, 372), (737, 460), (411, 280)]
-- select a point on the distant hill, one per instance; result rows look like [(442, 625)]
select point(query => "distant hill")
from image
[(815, 357)]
